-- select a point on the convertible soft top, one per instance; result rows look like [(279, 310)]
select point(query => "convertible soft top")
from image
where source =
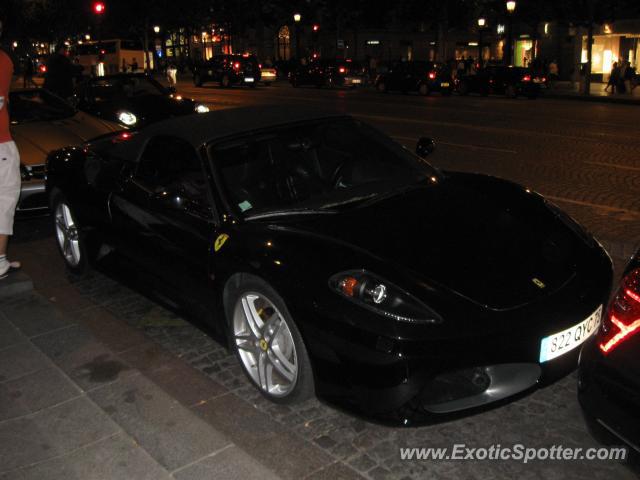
[(202, 128)]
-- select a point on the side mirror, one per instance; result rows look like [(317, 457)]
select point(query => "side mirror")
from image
[(425, 147)]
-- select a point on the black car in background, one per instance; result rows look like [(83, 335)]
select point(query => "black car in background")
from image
[(609, 374), (335, 261), (132, 99), (228, 70), (502, 80), (329, 73), (416, 76)]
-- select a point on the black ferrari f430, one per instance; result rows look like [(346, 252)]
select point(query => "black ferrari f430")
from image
[(335, 261)]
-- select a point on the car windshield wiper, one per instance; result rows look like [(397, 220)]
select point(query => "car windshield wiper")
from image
[(287, 212), (375, 197)]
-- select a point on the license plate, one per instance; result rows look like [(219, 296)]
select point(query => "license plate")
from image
[(356, 80), (444, 84), (248, 79), (562, 342)]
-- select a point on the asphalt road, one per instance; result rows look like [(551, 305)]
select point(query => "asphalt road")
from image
[(583, 156)]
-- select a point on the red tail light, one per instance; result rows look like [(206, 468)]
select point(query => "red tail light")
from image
[(526, 78), (342, 70), (259, 65), (236, 66), (622, 320), (544, 79), (122, 137), (43, 68), (432, 75)]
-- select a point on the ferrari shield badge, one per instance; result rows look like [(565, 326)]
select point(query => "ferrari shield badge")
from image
[(538, 283), (223, 237)]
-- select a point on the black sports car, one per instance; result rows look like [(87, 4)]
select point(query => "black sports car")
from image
[(132, 99), (335, 260), (609, 375)]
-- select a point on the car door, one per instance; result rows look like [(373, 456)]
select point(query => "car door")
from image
[(165, 217)]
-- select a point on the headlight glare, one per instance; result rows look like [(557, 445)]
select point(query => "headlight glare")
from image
[(127, 118), (380, 296), (200, 108)]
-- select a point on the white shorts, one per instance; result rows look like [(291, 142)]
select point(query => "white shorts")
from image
[(9, 185)]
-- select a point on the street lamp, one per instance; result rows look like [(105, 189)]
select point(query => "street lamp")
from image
[(511, 7), (296, 19), (156, 29), (481, 24)]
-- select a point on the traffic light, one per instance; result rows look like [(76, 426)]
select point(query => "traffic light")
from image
[(98, 8)]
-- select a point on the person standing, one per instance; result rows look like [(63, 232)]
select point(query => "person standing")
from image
[(614, 76), (628, 77), (9, 168), (172, 73), (60, 73)]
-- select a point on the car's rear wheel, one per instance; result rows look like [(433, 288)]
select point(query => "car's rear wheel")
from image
[(225, 81), (511, 91), (424, 90), (463, 88), (69, 238), (197, 80), (267, 342), (382, 87)]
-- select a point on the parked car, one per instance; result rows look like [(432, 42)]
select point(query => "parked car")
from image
[(328, 73), (335, 261), (228, 70), (42, 122), (609, 374), (415, 76), (502, 80), (132, 99)]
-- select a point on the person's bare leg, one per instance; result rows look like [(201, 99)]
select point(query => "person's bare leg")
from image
[(4, 240)]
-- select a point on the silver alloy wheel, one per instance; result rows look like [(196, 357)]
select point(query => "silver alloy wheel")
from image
[(67, 234), (265, 344)]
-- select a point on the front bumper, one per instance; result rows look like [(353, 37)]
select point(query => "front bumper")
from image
[(33, 198), (418, 375)]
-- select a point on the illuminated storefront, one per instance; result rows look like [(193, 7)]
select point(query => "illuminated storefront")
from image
[(611, 47)]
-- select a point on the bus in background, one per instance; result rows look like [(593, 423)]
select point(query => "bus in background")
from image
[(110, 56)]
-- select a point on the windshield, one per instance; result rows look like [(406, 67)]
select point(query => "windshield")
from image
[(112, 88), (37, 106), (314, 167)]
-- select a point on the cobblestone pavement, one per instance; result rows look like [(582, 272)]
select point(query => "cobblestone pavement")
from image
[(583, 156)]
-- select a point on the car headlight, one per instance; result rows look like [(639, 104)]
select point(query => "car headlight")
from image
[(25, 173), (127, 118), (200, 108), (380, 296)]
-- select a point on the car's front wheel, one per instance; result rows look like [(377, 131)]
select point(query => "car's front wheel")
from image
[(225, 82), (69, 238), (197, 80), (381, 87), (267, 341)]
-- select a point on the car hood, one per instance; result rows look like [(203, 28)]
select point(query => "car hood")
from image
[(485, 239), (148, 108), (36, 139)]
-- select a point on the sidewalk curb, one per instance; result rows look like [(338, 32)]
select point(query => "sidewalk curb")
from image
[(590, 98)]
